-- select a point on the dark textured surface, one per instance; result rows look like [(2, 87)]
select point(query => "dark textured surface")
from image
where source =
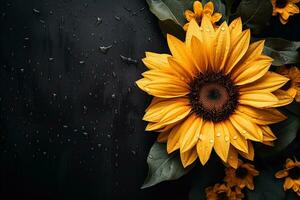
[(71, 123), (71, 115)]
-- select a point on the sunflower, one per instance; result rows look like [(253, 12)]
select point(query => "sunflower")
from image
[(293, 85), (199, 12), (213, 92), (221, 191), (285, 8), (291, 173), (242, 176)]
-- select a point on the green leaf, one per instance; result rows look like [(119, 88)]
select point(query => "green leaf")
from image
[(282, 51), (204, 176), (255, 14), (170, 27), (294, 108), (282, 44), (266, 187), (285, 131), (170, 9), (163, 166)]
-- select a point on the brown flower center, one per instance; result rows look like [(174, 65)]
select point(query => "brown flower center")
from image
[(241, 172), (294, 173), (213, 96), (281, 3), (222, 196)]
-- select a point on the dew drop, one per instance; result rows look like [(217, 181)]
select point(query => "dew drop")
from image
[(211, 141), (218, 134), (235, 137), (226, 138)]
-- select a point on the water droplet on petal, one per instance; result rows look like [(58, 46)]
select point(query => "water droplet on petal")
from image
[(226, 138)]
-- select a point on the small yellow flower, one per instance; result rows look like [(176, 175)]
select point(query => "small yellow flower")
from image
[(293, 85), (242, 176), (218, 191), (221, 191), (285, 8), (199, 11), (291, 173)]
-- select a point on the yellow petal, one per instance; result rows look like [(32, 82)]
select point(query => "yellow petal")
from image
[(281, 174), (155, 75), (288, 183), (158, 111), (208, 8), (163, 137), (247, 128), (205, 142), (179, 52), (252, 71), (258, 99), (189, 15), (235, 29), (198, 8), (222, 141), (267, 133), (188, 157), (216, 17), (255, 50), (292, 8), (166, 88), (284, 97), (192, 31), (154, 101), (236, 139), (156, 61), (238, 49), (221, 47), (289, 163), (208, 34), (173, 139), (200, 57), (233, 158), (182, 72), (142, 83), (250, 154), (270, 82), (262, 116), (191, 130)]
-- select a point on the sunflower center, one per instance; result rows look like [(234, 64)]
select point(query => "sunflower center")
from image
[(241, 172), (294, 173), (213, 96), (222, 196), (281, 3)]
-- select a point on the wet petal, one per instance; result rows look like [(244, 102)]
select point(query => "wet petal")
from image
[(205, 142)]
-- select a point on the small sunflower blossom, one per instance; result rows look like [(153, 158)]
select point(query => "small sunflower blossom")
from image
[(285, 9), (242, 176), (222, 97), (199, 11), (291, 175), (221, 191), (293, 85)]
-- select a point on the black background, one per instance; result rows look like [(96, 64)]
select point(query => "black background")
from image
[(71, 115)]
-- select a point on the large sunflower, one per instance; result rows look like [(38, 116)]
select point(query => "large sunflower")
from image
[(214, 91)]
